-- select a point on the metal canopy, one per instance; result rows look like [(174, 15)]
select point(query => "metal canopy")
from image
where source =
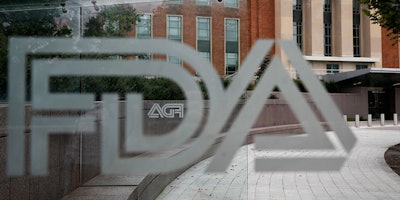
[(370, 77)]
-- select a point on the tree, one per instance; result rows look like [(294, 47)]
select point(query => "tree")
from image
[(386, 14), (112, 21), (31, 23)]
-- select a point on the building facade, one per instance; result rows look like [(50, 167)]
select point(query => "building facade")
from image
[(333, 35), (218, 30)]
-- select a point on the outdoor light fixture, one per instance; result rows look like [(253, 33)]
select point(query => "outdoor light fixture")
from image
[(96, 8), (62, 4)]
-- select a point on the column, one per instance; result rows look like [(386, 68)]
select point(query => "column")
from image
[(313, 23), (342, 29), (283, 26), (371, 35)]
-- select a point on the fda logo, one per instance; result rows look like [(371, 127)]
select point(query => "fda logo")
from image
[(220, 106), (169, 110)]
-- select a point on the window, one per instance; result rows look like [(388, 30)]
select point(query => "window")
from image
[(174, 28), (231, 63), (144, 56), (143, 28), (174, 31), (332, 68), (231, 3), (175, 60), (203, 2), (358, 67), (327, 28), (231, 27), (203, 28), (356, 29), (297, 22), (143, 31), (174, 1), (204, 36), (206, 55), (231, 46)]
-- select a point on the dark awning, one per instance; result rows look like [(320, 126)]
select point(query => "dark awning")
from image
[(370, 77)]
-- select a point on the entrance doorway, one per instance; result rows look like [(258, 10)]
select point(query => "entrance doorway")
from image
[(380, 101), (376, 104)]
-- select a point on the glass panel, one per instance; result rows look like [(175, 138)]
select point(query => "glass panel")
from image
[(231, 30), (356, 29), (143, 27), (231, 3), (174, 27), (203, 2), (203, 28), (332, 68), (177, 99)]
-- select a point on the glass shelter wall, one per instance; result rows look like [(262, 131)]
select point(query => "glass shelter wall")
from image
[(117, 99), (60, 43)]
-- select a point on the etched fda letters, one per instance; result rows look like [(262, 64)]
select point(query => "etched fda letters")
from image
[(219, 108)]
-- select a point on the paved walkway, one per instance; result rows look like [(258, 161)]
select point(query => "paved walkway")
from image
[(365, 175)]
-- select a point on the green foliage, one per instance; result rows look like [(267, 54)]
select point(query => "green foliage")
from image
[(263, 67), (300, 85), (273, 96), (156, 88), (32, 23), (112, 21), (352, 119), (226, 82), (331, 87), (203, 89), (251, 86), (386, 14)]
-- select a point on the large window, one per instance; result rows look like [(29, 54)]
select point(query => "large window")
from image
[(356, 29), (204, 36), (174, 60), (231, 27), (332, 68), (174, 28), (143, 31), (327, 28), (203, 28), (175, 1), (231, 63), (297, 22), (231, 46), (143, 28), (203, 2), (358, 67), (231, 3), (174, 31)]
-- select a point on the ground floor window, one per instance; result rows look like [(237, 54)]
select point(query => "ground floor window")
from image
[(358, 67), (332, 68), (231, 63)]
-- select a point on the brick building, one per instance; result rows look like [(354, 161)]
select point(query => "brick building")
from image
[(218, 30), (333, 35)]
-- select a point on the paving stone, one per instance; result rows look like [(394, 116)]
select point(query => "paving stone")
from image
[(365, 175)]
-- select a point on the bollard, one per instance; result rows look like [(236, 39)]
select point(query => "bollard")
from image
[(395, 119), (369, 120), (357, 121), (382, 119)]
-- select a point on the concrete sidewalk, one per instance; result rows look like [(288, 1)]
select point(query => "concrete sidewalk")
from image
[(365, 175)]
